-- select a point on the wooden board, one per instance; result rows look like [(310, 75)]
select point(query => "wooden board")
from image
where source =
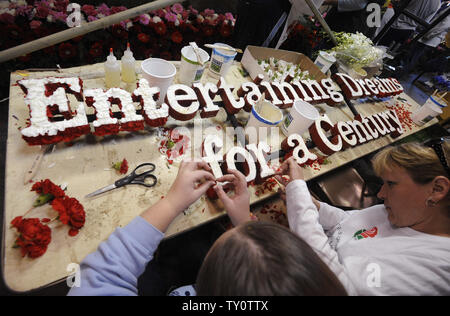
[(85, 166)]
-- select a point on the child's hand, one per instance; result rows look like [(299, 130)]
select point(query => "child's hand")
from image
[(193, 180), (290, 168), (237, 206)]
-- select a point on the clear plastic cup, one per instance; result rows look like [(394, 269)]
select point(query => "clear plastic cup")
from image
[(300, 118), (159, 73), (324, 61), (221, 60), (190, 69)]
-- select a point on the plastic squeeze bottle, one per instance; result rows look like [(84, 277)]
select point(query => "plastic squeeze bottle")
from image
[(128, 70), (112, 71)]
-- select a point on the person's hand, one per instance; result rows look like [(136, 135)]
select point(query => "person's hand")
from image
[(193, 180), (237, 206), (291, 168)]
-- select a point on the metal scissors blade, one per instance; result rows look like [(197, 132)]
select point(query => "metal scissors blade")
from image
[(145, 178), (102, 190)]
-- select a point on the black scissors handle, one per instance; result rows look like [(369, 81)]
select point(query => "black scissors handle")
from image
[(139, 176)]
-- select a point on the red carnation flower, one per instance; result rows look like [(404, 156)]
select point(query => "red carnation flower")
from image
[(7, 18), (61, 5), (67, 51), (192, 28), (47, 187), (225, 30), (176, 37), (96, 50), (34, 236), (71, 213), (89, 9), (13, 31), (144, 38), (119, 32), (42, 11), (160, 28), (208, 30), (124, 167), (121, 166), (115, 10)]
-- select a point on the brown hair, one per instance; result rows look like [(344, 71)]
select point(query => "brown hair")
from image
[(421, 162), (264, 259)]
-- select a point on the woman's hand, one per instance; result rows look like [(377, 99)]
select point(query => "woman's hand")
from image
[(237, 206), (193, 180), (291, 168)]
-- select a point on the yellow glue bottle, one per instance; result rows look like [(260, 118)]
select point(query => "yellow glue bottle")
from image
[(128, 66), (112, 71)]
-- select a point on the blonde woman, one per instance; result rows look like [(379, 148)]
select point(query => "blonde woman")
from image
[(399, 248)]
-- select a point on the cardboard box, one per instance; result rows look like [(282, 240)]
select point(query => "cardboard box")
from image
[(254, 53)]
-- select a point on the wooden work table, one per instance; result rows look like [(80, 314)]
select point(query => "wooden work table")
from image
[(85, 165)]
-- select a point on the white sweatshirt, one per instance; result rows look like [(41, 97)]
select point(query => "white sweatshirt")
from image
[(368, 254)]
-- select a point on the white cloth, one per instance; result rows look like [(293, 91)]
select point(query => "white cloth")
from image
[(298, 9), (382, 260), (424, 9)]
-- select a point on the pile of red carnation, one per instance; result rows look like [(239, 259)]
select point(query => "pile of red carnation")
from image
[(35, 234)]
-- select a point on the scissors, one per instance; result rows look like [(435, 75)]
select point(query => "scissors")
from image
[(142, 175)]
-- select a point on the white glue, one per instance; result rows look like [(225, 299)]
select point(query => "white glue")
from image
[(112, 71), (128, 66)]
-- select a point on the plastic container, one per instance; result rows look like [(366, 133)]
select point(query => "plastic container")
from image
[(221, 61), (300, 118), (159, 73), (429, 110), (265, 115), (190, 69), (112, 71), (324, 61), (128, 66)]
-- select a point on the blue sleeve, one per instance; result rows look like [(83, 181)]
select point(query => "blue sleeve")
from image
[(115, 267)]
